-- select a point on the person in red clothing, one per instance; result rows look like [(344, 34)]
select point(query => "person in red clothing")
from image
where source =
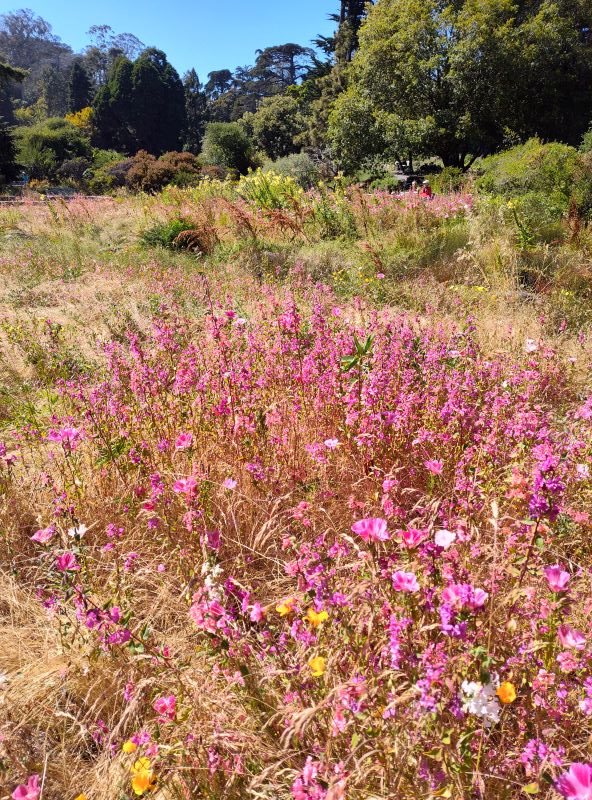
[(426, 190)]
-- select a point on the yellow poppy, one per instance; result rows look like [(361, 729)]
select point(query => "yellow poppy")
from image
[(144, 778), (315, 617), (317, 666), (129, 747), (506, 692), (286, 607), (81, 797)]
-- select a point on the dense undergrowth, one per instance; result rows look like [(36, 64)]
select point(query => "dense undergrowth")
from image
[(295, 498)]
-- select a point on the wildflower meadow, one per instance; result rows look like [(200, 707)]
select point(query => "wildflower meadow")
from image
[(294, 500)]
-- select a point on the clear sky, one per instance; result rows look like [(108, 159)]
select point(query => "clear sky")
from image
[(205, 34)]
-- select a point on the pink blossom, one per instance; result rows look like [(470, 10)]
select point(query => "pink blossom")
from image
[(372, 529), (557, 578), (184, 440), (571, 638), (331, 444), (256, 614), (412, 537), (66, 562), (435, 467), (166, 707), (445, 539), (186, 485), (28, 791), (405, 581), (576, 783), (229, 484), (44, 535)]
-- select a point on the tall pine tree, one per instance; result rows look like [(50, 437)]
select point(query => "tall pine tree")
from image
[(80, 89), (195, 110)]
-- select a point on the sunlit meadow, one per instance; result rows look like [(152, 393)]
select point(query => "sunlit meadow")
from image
[(294, 499)]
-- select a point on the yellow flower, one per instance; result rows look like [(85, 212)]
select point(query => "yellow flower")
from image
[(506, 692), (286, 607), (129, 747), (143, 776), (81, 797), (317, 666), (316, 618)]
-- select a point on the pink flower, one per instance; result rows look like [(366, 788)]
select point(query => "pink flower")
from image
[(331, 444), (44, 535), (67, 562), (229, 484), (557, 578), (405, 582), (445, 539), (576, 783), (256, 614), (165, 707), (28, 791), (186, 485), (435, 467), (184, 440), (571, 638), (412, 537), (371, 530)]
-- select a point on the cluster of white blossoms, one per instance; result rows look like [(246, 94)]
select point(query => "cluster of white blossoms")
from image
[(481, 700)]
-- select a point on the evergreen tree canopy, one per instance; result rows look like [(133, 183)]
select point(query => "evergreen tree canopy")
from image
[(80, 89), (195, 110), (142, 106)]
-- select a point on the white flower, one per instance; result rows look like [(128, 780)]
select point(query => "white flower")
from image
[(79, 531), (445, 539), (481, 700), (3, 678), (530, 346)]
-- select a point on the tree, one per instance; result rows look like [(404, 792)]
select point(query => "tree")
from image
[(275, 126), (349, 19), (281, 66), (451, 79), (27, 41), (105, 48), (54, 91), (80, 89), (8, 167), (112, 110), (158, 103), (226, 144), (219, 82), (195, 111)]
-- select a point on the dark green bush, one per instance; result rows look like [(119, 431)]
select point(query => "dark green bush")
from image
[(163, 234)]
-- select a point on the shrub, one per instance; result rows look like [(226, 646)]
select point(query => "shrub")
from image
[(163, 234), (225, 144), (528, 168), (298, 166), (74, 172), (268, 189), (450, 179), (44, 147)]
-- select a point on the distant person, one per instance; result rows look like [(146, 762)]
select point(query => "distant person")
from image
[(426, 190), (414, 189)]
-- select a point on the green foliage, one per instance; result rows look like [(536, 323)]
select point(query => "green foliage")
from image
[(141, 107), (298, 166), (275, 126), (454, 79), (226, 144), (450, 179), (531, 167), (195, 110), (586, 146), (80, 89), (44, 147), (8, 166), (163, 234), (269, 190)]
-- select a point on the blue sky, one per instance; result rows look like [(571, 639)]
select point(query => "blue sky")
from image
[(205, 34)]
